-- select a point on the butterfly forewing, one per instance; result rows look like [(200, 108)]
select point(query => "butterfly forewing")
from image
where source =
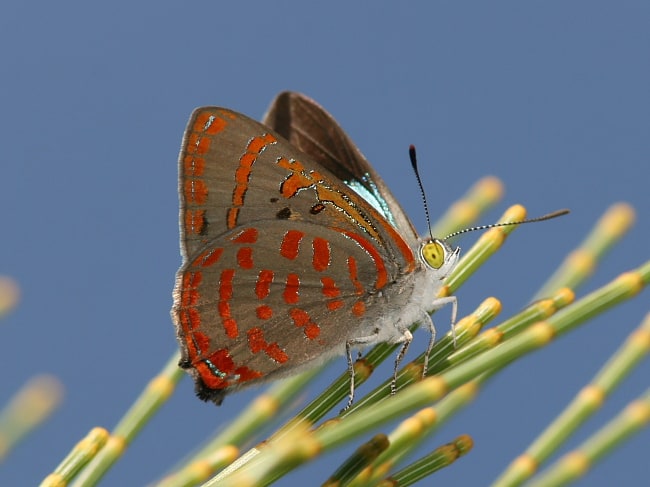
[(235, 170)]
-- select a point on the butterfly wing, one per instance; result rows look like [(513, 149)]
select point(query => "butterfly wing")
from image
[(310, 128), (234, 171), (278, 255), (264, 301)]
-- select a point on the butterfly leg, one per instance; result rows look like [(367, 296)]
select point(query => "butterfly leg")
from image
[(408, 338), (439, 303), (432, 340), (348, 354), (355, 342)]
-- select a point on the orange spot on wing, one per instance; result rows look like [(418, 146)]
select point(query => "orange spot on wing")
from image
[(302, 319), (245, 373), (245, 163), (194, 316), (224, 309), (191, 348), (202, 118), (291, 244), (194, 221), (297, 180), (312, 331), (245, 257), (202, 341), (263, 284), (225, 284), (264, 312), (208, 258), (217, 125), (192, 279), (190, 319), (221, 361), (196, 192), (230, 325), (188, 316), (231, 217), (225, 294), (203, 145), (321, 257), (258, 143), (334, 304), (274, 351), (193, 166), (382, 275), (210, 380), (257, 343), (223, 371), (291, 289), (189, 291), (293, 184), (359, 308), (329, 287), (192, 142), (246, 236), (291, 165), (240, 192), (207, 122), (354, 275), (243, 172)]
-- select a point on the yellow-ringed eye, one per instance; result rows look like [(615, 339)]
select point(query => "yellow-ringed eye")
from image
[(433, 254)]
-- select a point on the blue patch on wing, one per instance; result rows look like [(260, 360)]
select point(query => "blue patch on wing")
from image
[(368, 190)]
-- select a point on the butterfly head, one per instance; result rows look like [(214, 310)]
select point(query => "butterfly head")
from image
[(439, 256)]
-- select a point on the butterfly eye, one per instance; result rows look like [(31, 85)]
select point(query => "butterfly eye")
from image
[(433, 254)]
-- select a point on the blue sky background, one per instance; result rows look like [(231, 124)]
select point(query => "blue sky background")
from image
[(551, 97)]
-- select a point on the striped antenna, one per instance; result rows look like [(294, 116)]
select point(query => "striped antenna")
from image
[(414, 165), (542, 218)]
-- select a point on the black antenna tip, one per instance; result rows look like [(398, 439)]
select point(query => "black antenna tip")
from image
[(414, 161), (414, 165)]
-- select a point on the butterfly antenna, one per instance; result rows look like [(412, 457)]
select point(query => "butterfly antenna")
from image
[(414, 165), (542, 218)]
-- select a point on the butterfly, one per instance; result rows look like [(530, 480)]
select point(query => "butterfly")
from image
[(294, 250)]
